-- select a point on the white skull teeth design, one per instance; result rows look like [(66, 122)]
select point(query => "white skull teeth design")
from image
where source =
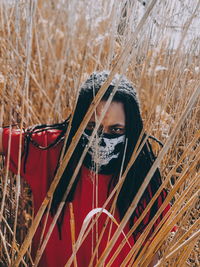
[(103, 150)]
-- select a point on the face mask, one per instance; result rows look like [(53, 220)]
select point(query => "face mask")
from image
[(103, 152)]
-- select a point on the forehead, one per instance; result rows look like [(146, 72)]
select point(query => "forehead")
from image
[(114, 115)]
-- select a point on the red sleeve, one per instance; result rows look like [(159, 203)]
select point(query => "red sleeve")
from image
[(12, 137), (38, 165), (35, 155)]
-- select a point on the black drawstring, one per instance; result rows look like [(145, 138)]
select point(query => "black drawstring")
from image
[(38, 129), (155, 139)]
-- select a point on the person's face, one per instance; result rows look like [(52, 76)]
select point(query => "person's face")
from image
[(113, 121)]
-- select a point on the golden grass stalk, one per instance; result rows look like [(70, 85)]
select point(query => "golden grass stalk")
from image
[(167, 228), (72, 225), (5, 247), (6, 179), (61, 205), (145, 233), (163, 232), (192, 238), (85, 224), (75, 140), (112, 211), (188, 233), (51, 55), (187, 25), (181, 181), (24, 89), (149, 175)]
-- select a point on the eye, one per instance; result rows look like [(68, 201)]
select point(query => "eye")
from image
[(117, 130), (90, 126)]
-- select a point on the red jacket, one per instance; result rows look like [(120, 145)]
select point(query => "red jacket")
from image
[(91, 192)]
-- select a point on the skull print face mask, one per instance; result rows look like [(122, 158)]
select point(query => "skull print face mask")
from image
[(103, 152)]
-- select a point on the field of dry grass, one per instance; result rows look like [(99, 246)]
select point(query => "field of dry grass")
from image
[(48, 48)]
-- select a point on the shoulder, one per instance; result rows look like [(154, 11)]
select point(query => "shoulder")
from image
[(44, 138), (10, 136), (41, 138)]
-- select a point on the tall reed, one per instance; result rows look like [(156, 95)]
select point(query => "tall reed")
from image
[(47, 49)]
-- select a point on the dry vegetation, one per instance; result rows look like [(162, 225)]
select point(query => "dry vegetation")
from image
[(48, 48)]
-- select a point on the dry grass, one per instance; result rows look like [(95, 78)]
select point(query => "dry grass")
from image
[(48, 48)]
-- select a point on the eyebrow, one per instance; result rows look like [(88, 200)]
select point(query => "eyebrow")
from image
[(114, 125), (118, 125)]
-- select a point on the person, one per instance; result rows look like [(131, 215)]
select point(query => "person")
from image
[(109, 154)]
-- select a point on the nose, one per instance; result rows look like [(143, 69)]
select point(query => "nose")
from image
[(100, 131), (102, 142)]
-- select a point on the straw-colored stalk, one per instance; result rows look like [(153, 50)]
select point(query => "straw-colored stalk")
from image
[(47, 50)]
